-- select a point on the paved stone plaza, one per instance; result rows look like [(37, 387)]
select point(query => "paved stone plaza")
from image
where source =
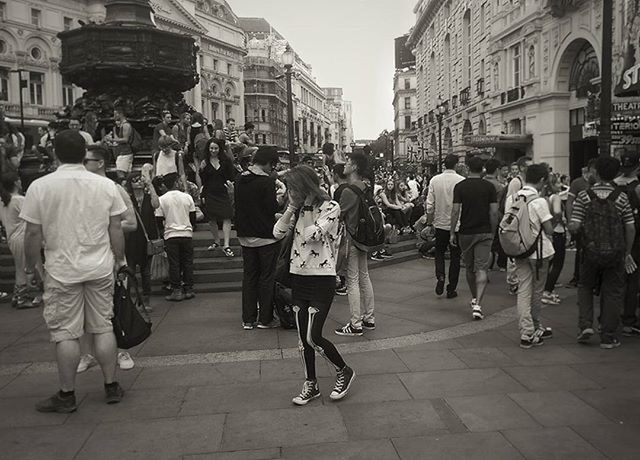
[(430, 384)]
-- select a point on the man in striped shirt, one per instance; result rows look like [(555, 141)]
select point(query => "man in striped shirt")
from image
[(230, 131), (613, 277)]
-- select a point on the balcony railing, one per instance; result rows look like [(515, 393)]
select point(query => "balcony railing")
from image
[(512, 95), (465, 96), (480, 87), (454, 102), (432, 116)]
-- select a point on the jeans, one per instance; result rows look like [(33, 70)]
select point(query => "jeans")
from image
[(145, 275), (578, 259), (258, 282), (442, 243), (530, 287), (629, 312), (359, 288), (180, 255), (398, 218), (611, 296), (557, 262)]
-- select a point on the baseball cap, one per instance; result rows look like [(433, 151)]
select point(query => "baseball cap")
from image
[(629, 160)]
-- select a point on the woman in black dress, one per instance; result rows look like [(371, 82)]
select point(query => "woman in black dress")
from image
[(217, 174)]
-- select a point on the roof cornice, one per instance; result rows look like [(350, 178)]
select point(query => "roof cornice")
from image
[(428, 14)]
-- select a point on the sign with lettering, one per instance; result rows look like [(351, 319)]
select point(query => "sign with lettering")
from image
[(629, 70), (404, 56)]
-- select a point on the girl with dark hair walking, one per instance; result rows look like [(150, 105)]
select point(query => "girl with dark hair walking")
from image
[(217, 174), (15, 227), (316, 235)]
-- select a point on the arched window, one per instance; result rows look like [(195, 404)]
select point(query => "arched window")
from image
[(447, 141), (585, 68), (482, 127), (532, 61), (467, 129), (466, 45)]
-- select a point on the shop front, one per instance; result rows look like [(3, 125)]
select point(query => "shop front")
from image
[(505, 147)]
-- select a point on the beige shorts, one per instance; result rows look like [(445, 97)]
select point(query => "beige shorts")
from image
[(70, 310), (124, 163), (476, 250)]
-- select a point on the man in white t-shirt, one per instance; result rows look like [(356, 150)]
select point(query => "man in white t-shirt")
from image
[(77, 214), (74, 124), (179, 212), (532, 271)]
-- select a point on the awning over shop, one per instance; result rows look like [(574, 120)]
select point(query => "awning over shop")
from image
[(498, 140)]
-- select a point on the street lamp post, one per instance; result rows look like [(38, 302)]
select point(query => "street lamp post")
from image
[(288, 58), (353, 146), (441, 110)]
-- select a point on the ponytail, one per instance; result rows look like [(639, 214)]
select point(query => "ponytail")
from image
[(7, 187)]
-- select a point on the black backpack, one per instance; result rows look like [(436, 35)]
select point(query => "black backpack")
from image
[(131, 324), (603, 230), (369, 232)]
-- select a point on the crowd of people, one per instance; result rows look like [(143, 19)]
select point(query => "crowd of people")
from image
[(300, 230)]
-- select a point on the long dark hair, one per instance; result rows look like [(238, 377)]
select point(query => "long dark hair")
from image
[(305, 181), (8, 186)]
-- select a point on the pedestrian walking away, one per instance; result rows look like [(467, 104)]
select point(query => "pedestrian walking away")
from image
[(438, 212), (312, 265), (475, 207)]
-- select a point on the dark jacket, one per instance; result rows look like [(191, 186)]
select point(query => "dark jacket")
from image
[(255, 203)]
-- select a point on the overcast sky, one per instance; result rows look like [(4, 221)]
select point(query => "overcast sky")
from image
[(349, 44)]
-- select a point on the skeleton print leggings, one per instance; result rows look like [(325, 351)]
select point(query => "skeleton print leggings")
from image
[(310, 318)]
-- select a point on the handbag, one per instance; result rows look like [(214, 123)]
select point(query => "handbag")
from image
[(283, 274), (159, 268), (131, 324), (155, 246)]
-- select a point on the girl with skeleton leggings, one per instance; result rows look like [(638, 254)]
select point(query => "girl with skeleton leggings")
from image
[(314, 250)]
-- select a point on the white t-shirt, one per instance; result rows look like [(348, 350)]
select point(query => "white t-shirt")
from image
[(175, 207), (538, 214), (74, 206), (413, 187), (87, 138), (10, 215), (166, 163)]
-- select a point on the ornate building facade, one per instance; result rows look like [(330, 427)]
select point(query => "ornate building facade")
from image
[(405, 110), (514, 77), (340, 132), (28, 41)]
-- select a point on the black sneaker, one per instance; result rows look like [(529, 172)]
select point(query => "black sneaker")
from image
[(440, 287), (343, 383), (534, 341), (631, 331), (58, 403), (585, 335), (376, 256), (310, 391), (452, 294), (113, 393), (368, 325), (609, 343), (385, 254), (342, 290), (189, 294), (349, 330), (545, 332), (248, 326)]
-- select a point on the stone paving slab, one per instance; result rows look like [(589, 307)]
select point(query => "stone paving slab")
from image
[(467, 446), (609, 375), (552, 444), (476, 358), (546, 378), (622, 405), (558, 408), (378, 420), (157, 439), (620, 442), (355, 450), (490, 413), (367, 389), (463, 382), (259, 454), (44, 443), (198, 375), (283, 427), (420, 360), (20, 412)]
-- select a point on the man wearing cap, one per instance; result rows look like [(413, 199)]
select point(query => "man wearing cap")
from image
[(627, 180), (256, 207)]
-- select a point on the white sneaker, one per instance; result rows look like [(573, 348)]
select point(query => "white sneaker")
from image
[(550, 298), (124, 361), (476, 310), (86, 361)]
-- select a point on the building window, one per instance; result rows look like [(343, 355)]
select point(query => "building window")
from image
[(496, 76), (3, 11), (215, 65), (482, 19), (263, 115), (447, 64), (229, 69), (36, 88), (4, 85), (214, 110), (407, 122), (467, 39), (532, 61), (515, 52), (407, 84), (407, 103), (36, 53), (67, 23), (227, 112), (67, 93), (36, 16), (3, 47), (264, 138)]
